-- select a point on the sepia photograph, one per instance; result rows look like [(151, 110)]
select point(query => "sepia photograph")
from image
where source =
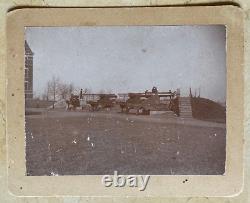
[(139, 100)]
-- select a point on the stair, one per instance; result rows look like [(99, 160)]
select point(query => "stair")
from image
[(185, 107)]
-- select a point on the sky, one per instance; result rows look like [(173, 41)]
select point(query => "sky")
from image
[(123, 59)]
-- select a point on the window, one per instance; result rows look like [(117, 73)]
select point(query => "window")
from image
[(26, 85)]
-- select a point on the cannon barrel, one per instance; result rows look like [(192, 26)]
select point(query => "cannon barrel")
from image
[(102, 95), (149, 94)]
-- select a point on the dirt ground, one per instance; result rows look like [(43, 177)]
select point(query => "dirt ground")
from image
[(97, 143)]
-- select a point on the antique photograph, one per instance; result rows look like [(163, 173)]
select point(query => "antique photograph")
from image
[(139, 100)]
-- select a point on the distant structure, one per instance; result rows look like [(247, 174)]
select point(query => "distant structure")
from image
[(28, 80)]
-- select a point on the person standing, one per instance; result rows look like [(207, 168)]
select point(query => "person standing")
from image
[(154, 90), (81, 94), (81, 100)]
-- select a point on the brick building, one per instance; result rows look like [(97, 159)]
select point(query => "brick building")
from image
[(28, 80)]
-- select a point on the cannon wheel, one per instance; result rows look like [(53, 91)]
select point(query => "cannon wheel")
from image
[(147, 112), (127, 109), (93, 107), (142, 111), (123, 109)]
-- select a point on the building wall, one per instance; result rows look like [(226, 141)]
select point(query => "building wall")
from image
[(28, 80)]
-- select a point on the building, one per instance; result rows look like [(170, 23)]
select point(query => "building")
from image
[(28, 79)]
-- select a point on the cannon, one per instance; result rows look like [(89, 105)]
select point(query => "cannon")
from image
[(145, 102), (103, 101), (73, 102)]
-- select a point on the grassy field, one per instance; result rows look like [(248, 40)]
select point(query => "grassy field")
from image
[(80, 143)]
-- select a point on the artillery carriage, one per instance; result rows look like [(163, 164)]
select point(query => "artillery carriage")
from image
[(144, 103), (73, 102), (103, 101), (95, 101)]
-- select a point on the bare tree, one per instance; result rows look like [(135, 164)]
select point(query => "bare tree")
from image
[(52, 89), (54, 86), (101, 91), (109, 91), (45, 95), (87, 91), (56, 89), (71, 88), (63, 90)]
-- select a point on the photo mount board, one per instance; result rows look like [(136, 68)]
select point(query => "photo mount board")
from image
[(228, 184)]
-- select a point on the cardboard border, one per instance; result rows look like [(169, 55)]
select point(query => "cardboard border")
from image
[(228, 184)]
